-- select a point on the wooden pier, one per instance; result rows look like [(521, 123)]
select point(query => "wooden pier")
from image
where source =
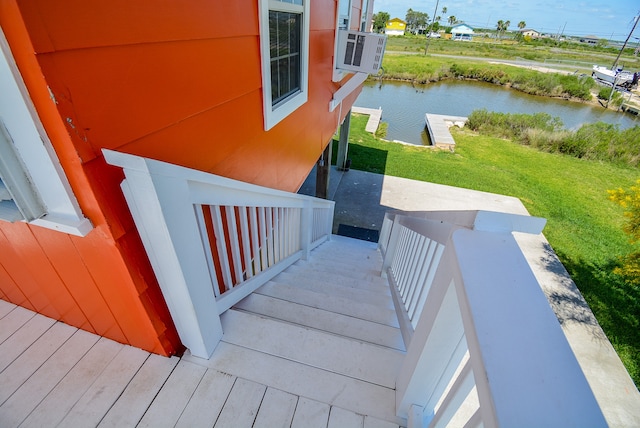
[(438, 128), (374, 117)]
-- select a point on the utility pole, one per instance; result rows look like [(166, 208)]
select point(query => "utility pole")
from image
[(433, 20), (636, 18)]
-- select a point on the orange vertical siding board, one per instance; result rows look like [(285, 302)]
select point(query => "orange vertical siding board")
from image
[(11, 292), (37, 263), (72, 271), (114, 282)]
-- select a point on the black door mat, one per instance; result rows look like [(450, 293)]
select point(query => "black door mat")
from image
[(361, 233)]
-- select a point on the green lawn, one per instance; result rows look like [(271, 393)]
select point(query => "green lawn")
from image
[(583, 226)]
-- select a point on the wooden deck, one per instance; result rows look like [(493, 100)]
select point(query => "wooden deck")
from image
[(318, 346)]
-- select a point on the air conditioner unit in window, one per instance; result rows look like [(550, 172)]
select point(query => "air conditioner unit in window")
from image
[(360, 52)]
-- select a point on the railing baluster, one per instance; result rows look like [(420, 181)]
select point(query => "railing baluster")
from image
[(218, 227), (433, 268), (207, 242), (255, 240), (271, 245), (418, 269), (246, 242), (430, 248), (461, 388), (232, 228)]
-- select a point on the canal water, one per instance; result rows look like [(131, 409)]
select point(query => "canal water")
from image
[(404, 106)]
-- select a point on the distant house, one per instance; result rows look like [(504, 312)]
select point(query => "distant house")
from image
[(529, 32), (461, 32), (590, 40), (395, 27)]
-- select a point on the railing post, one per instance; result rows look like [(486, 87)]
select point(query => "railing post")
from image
[(168, 227), (392, 247), (306, 226)]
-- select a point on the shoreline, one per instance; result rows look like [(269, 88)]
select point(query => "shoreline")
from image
[(594, 101)]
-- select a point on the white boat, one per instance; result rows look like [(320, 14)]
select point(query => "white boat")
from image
[(619, 77)]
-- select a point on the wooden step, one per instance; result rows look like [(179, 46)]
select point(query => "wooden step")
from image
[(330, 288), (320, 319), (331, 303), (360, 360), (299, 379), (350, 277)]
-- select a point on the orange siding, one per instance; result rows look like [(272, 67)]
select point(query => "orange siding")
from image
[(174, 80)]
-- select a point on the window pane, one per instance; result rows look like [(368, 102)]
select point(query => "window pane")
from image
[(285, 45)]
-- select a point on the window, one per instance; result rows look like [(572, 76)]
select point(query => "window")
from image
[(33, 186), (284, 41)]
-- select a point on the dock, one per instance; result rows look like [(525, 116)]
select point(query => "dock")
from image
[(374, 117), (438, 128)]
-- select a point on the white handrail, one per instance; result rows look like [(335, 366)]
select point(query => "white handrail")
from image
[(484, 347), (212, 240)]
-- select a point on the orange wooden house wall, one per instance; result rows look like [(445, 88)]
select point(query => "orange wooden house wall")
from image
[(174, 80)]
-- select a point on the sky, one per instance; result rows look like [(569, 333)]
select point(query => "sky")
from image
[(612, 19)]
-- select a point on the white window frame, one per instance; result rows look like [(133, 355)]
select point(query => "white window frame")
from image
[(32, 145), (274, 114), (338, 74)]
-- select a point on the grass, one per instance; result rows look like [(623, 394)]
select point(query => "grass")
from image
[(421, 69), (584, 227), (542, 50)]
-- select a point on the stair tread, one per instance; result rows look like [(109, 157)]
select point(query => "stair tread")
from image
[(327, 287), (349, 357), (320, 277), (352, 273), (321, 319), (330, 303)]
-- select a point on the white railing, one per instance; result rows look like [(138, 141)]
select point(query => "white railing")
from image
[(484, 347), (212, 240)]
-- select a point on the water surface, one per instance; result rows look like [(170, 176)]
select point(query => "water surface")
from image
[(404, 106)]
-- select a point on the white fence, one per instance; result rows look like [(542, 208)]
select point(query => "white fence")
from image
[(212, 241), (484, 347)]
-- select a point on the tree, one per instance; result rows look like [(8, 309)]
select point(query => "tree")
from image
[(416, 21), (502, 26), (629, 199), (521, 25), (380, 20), (444, 10), (452, 20)]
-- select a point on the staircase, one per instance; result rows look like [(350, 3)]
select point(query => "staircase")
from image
[(324, 329)]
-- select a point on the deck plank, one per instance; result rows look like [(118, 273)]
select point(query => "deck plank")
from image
[(136, 398), (5, 308), (22, 368), (174, 396), (371, 422), (310, 414), (106, 389), (27, 397), (330, 303), (22, 339), (207, 401), (341, 418), (320, 319), (276, 410), (73, 385), (299, 379), (242, 406), (12, 322), (376, 364)]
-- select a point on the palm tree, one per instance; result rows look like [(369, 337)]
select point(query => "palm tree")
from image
[(499, 27), (521, 25), (452, 20), (444, 10)]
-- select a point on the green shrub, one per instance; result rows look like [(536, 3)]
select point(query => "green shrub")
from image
[(595, 141)]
